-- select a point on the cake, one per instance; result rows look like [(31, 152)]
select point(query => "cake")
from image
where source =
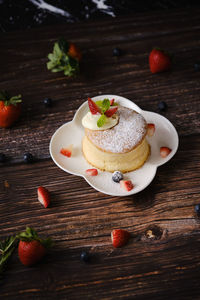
[(121, 146)]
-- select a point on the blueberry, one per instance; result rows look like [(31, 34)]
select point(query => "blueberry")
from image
[(197, 66), (117, 176), (2, 157), (48, 102), (28, 157), (197, 209), (162, 106), (85, 256), (117, 52)]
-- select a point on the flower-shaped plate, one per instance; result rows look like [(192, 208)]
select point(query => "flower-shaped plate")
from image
[(73, 132)]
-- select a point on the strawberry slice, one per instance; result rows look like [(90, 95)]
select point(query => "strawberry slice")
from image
[(126, 185), (67, 151), (119, 237), (94, 108), (150, 129), (91, 172), (164, 151), (112, 102), (43, 196), (111, 111)]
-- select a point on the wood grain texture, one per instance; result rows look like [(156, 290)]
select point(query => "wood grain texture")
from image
[(80, 218)]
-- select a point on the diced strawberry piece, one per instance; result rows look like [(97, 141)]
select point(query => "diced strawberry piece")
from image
[(43, 196), (111, 111), (126, 185), (165, 151), (119, 237), (112, 102), (67, 151), (94, 108), (92, 172), (150, 129)]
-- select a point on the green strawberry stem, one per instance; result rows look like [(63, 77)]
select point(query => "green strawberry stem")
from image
[(8, 100), (30, 234)]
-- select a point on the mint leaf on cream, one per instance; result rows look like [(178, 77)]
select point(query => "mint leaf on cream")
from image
[(101, 121)]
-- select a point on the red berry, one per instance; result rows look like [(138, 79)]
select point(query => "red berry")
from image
[(150, 129), (126, 185), (119, 237), (165, 151), (112, 102), (67, 151), (94, 108), (111, 111), (92, 172), (43, 196), (159, 61), (30, 252)]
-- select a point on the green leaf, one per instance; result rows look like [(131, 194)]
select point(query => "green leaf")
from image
[(101, 121), (5, 245), (51, 57), (105, 105), (51, 65), (28, 235), (47, 243), (99, 103), (6, 249), (59, 60), (64, 45), (56, 50)]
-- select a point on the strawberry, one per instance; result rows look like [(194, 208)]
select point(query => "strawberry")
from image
[(10, 109), (126, 185), (112, 102), (94, 108), (111, 111), (67, 151), (119, 237), (164, 151), (150, 129), (31, 248), (74, 51), (43, 196), (92, 172), (159, 61)]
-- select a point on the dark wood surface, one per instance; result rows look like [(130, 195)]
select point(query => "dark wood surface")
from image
[(81, 218)]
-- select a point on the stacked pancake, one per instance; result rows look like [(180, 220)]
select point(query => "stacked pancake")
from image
[(122, 147)]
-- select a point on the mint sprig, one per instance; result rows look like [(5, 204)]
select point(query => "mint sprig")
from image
[(104, 106), (6, 249), (60, 60)]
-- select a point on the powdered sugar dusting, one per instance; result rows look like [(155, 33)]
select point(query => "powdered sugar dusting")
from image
[(124, 136)]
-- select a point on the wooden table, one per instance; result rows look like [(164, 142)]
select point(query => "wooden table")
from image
[(80, 218)]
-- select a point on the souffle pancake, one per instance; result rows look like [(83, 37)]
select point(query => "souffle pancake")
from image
[(119, 143)]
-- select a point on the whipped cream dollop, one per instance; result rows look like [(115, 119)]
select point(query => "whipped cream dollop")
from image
[(90, 121)]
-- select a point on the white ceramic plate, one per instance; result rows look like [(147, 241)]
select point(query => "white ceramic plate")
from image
[(73, 132)]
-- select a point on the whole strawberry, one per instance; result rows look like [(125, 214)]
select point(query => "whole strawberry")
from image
[(10, 109), (159, 61), (31, 248)]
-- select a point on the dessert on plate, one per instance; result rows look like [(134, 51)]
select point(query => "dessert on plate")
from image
[(115, 137)]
